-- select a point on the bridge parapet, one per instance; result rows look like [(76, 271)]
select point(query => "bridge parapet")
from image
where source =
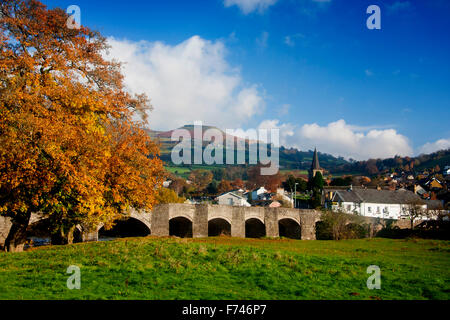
[(200, 216)]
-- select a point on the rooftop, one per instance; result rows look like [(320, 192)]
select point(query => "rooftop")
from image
[(378, 196)]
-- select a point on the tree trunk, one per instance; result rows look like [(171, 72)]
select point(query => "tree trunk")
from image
[(62, 237), (58, 238), (17, 235), (70, 235)]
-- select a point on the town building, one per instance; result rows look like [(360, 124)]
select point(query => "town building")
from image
[(375, 203), (258, 194), (232, 198)]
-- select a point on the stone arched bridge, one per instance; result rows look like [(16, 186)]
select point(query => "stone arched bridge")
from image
[(209, 220), (204, 220)]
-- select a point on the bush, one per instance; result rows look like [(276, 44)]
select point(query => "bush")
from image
[(339, 226), (432, 229)]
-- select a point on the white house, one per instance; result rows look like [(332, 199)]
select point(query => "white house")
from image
[(257, 193), (385, 204), (232, 199)]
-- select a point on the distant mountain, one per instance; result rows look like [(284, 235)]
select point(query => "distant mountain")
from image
[(294, 159), (290, 158)]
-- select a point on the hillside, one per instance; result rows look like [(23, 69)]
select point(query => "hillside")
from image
[(300, 161), (290, 158)]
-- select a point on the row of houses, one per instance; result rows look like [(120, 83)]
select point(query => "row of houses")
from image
[(259, 196), (378, 203)]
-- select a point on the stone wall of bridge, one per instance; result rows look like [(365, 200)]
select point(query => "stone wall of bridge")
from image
[(239, 219), (201, 215), (5, 225)]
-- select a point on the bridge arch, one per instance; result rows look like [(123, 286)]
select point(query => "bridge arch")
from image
[(124, 228), (180, 226), (255, 228), (38, 232), (290, 228), (219, 226), (221, 217)]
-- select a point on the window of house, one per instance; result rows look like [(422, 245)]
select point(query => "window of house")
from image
[(369, 209), (349, 207)]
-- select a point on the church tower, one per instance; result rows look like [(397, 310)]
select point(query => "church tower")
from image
[(315, 166)]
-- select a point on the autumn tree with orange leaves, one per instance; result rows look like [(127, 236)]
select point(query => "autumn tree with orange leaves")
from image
[(70, 145)]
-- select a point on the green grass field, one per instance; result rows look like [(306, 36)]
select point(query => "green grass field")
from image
[(229, 268), (184, 172), (294, 171)]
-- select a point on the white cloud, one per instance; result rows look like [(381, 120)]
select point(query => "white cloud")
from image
[(341, 139), (187, 82), (440, 144), (287, 130), (248, 6)]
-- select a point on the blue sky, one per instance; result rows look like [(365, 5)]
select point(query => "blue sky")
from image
[(309, 67)]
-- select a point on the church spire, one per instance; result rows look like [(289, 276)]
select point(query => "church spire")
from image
[(315, 163), (315, 166)]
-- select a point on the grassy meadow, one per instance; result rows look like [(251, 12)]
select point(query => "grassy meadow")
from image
[(230, 268)]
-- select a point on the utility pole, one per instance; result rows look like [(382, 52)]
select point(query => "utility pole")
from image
[(295, 195)]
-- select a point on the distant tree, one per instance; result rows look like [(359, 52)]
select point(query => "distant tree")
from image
[(415, 209), (200, 179), (224, 186), (289, 184), (165, 195), (256, 179), (272, 182), (237, 184), (371, 167), (316, 185), (318, 182), (178, 185), (316, 199), (218, 174), (235, 172), (346, 181), (212, 188)]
